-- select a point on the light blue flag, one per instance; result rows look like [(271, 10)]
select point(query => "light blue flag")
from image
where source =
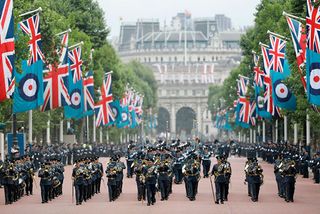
[(313, 77), (76, 109), (28, 92), (125, 121), (281, 94)]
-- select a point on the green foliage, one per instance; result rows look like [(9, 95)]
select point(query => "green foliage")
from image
[(269, 16), (86, 19)]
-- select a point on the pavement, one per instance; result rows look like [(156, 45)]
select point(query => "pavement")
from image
[(306, 200)]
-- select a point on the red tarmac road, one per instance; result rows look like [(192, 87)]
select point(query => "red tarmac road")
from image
[(306, 198)]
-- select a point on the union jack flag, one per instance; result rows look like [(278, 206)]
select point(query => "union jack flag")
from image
[(56, 80), (243, 83), (75, 64), (298, 35), (6, 50), (268, 94), (124, 99), (277, 52), (130, 100), (313, 27), (55, 87), (63, 50), (138, 108), (258, 76), (88, 89), (244, 114), (104, 113), (266, 59), (253, 113), (31, 27)]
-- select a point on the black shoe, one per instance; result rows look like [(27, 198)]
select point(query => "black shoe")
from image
[(222, 202), (162, 199), (217, 202)]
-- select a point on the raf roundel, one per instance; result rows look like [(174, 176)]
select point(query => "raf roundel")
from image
[(281, 91), (124, 116), (115, 111), (75, 98), (28, 87), (315, 79)]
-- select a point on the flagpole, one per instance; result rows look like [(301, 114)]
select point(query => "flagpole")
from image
[(100, 135), (276, 127), (264, 45), (308, 130), (285, 121), (254, 136), (63, 32), (87, 129), (94, 129), (48, 130), (30, 12), (76, 45), (61, 130), (277, 35), (263, 131), (243, 76), (250, 135), (30, 128), (292, 16), (295, 140)]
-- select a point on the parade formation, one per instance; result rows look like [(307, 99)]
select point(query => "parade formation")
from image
[(157, 168), (78, 119)]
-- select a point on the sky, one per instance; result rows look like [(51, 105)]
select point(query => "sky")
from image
[(241, 12)]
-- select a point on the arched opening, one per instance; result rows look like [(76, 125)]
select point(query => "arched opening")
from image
[(185, 121), (163, 120)]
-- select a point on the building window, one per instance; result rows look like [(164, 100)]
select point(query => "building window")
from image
[(175, 59), (198, 59), (149, 59), (161, 59), (193, 92), (212, 59), (207, 129), (204, 59), (156, 59), (145, 59)]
